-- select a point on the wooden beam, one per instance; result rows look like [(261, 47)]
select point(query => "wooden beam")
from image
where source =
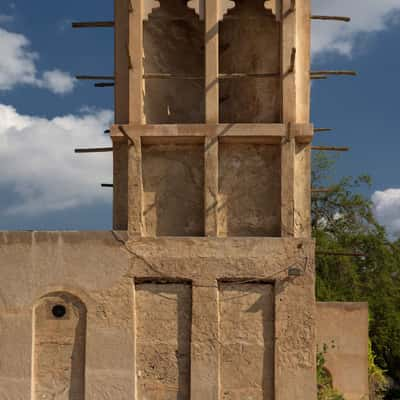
[(95, 77), (318, 77), (104, 84), (94, 24), (323, 190), (323, 129), (330, 18), (171, 76), (333, 72), (330, 148), (107, 185), (94, 150), (339, 254)]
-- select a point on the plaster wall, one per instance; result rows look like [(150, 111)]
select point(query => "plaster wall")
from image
[(343, 328), (153, 299)]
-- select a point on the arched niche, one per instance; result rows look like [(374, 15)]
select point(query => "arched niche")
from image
[(173, 42), (249, 43), (59, 342)]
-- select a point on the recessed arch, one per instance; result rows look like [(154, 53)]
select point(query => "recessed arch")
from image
[(59, 342)]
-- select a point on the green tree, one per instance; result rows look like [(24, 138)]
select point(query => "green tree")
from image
[(343, 221)]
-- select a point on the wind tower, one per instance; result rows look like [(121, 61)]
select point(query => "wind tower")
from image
[(212, 183)]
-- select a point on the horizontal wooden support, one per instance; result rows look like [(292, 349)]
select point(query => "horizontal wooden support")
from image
[(172, 76), (107, 131), (93, 24), (220, 76), (94, 78), (333, 72), (250, 75), (255, 133), (319, 77), (330, 148), (107, 185), (339, 254), (104, 84), (330, 18), (323, 190), (323, 129), (94, 150)]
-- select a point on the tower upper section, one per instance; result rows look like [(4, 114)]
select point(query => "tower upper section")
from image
[(212, 134), (212, 61)]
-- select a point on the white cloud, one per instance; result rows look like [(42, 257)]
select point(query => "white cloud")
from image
[(37, 159), (57, 81), (18, 66), (387, 210), (367, 16)]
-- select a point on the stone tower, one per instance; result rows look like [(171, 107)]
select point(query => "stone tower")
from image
[(204, 290), (212, 183)]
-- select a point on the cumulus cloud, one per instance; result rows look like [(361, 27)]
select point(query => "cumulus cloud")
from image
[(367, 16), (38, 161), (387, 210), (18, 66)]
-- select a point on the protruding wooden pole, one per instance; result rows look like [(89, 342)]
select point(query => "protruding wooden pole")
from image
[(93, 24), (95, 77), (330, 18), (333, 72), (330, 148), (94, 150), (107, 185), (323, 129), (104, 84)]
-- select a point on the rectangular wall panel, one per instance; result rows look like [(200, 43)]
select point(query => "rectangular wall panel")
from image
[(247, 341), (163, 330), (249, 189)]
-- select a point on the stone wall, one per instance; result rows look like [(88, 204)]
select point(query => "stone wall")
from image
[(155, 318), (343, 329)]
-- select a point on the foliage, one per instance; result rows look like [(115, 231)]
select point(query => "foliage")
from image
[(378, 383), (324, 379), (343, 221)]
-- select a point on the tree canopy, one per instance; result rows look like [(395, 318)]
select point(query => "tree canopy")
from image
[(343, 222)]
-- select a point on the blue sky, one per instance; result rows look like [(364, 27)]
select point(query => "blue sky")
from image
[(44, 113)]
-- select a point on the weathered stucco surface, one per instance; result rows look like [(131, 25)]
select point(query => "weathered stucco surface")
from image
[(250, 44), (146, 303), (343, 329), (173, 43), (173, 186), (249, 190)]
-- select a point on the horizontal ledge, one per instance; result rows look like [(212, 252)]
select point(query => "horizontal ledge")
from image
[(93, 24), (330, 18), (220, 76), (333, 72), (275, 132), (329, 148), (94, 150), (94, 77)]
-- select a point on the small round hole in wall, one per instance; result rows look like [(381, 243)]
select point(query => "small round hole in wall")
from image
[(59, 311)]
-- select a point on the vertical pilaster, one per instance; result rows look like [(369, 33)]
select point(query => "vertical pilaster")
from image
[(288, 150), (120, 179), (212, 117), (211, 186), (212, 61), (288, 61), (205, 343), (121, 101), (135, 46), (135, 189)]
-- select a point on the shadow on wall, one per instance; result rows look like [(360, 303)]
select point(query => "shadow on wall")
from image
[(59, 347)]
